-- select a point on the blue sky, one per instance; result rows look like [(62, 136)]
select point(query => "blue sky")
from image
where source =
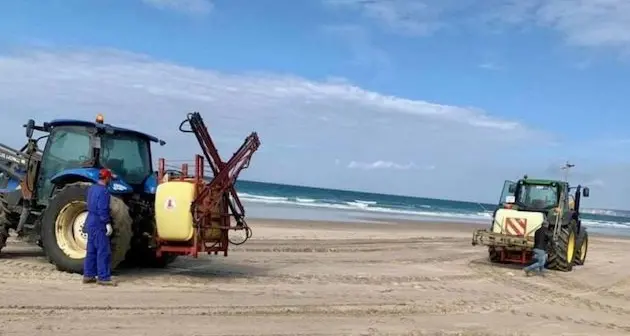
[(430, 98)]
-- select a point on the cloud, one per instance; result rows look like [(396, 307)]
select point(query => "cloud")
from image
[(411, 17), (584, 23), (490, 66), (381, 165), (306, 127), (364, 52), (197, 7)]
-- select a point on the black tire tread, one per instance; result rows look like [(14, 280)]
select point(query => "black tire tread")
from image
[(5, 223), (581, 239), (558, 255), (122, 224), (120, 239)]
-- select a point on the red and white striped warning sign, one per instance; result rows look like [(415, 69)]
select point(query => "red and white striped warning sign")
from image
[(516, 226)]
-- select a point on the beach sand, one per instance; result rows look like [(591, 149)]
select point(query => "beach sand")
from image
[(309, 278)]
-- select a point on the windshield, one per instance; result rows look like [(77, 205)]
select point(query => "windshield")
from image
[(127, 155), (538, 196), (67, 147)]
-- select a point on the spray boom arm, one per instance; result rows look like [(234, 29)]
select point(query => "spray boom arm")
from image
[(225, 174)]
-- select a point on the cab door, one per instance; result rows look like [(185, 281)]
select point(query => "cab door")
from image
[(509, 189)]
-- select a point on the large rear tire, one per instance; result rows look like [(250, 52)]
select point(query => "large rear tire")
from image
[(562, 256), (5, 223), (64, 238), (581, 247)]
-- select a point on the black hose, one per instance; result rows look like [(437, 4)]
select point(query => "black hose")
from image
[(187, 120)]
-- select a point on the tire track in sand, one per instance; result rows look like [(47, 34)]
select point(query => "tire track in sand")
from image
[(545, 294), (434, 307), (578, 321)]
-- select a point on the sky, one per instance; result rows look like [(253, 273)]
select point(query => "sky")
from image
[(434, 98)]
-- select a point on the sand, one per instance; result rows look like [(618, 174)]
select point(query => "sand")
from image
[(308, 278)]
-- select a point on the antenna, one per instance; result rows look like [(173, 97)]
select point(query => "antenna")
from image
[(567, 166)]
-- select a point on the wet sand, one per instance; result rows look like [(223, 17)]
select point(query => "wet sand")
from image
[(310, 278)]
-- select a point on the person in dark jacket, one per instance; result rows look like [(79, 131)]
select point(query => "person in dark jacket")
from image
[(98, 224), (541, 241)]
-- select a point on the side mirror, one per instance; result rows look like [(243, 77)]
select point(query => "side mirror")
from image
[(30, 127), (512, 188), (586, 192), (162, 142)]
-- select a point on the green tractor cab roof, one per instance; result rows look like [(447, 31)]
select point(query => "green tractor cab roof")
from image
[(541, 181), (74, 122)]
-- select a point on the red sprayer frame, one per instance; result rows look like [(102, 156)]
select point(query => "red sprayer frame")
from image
[(214, 200)]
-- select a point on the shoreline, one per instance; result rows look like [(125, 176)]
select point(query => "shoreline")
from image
[(459, 227), (282, 212)]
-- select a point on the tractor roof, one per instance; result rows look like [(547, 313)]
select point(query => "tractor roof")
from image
[(541, 181), (74, 122)]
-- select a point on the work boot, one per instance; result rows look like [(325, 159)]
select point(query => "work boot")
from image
[(87, 280), (110, 283), (528, 273)]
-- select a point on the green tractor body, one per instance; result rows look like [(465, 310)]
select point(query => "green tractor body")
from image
[(523, 207)]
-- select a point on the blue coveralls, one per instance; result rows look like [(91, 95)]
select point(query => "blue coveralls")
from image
[(98, 258)]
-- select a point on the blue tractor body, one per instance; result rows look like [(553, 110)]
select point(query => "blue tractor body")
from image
[(116, 187), (12, 185)]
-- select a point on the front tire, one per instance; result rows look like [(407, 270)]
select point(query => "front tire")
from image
[(581, 247), (63, 236)]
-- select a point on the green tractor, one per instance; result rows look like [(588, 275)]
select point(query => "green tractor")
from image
[(523, 207)]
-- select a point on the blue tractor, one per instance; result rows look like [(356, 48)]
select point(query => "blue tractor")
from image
[(43, 192)]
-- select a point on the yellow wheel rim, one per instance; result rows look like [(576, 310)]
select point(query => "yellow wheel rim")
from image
[(583, 249), (70, 229), (571, 246)]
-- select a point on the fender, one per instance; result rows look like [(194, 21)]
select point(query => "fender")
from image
[(12, 185), (117, 186), (150, 184)]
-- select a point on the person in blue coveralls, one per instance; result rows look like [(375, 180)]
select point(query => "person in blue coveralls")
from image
[(97, 265)]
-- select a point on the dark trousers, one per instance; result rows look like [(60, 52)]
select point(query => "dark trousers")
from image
[(99, 255)]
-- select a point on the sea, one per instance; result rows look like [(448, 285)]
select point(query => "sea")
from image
[(281, 201)]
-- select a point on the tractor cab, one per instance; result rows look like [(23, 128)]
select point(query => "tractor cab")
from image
[(75, 146), (537, 195)]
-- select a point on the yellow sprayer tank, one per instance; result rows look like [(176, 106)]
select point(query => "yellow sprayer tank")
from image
[(173, 218), (517, 223)]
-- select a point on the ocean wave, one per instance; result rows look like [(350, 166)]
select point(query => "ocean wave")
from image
[(419, 210), (359, 205), (606, 212)]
